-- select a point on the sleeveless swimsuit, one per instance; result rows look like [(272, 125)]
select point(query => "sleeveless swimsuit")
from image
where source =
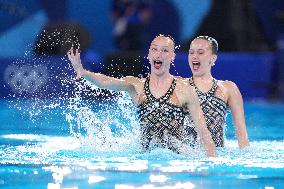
[(214, 110), (161, 121)]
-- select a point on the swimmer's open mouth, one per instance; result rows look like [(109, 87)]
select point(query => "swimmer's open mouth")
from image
[(195, 65), (157, 64)]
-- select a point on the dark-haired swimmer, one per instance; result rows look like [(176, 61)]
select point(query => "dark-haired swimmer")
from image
[(162, 99), (215, 96)]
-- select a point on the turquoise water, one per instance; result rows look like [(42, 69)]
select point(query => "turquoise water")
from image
[(53, 144)]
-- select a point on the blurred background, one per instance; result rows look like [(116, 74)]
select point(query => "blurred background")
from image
[(114, 36)]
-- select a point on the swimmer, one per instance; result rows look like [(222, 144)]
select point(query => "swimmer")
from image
[(162, 99), (215, 96)]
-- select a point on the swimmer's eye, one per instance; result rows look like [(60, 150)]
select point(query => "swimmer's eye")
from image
[(165, 50), (200, 51), (154, 49), (190, 51)]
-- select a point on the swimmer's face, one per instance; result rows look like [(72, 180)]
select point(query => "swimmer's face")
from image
[(200, 57), (161, 54)]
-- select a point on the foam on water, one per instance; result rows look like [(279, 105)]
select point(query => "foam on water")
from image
[(40, 149)]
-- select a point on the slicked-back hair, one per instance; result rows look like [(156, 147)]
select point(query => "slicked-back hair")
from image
[(168, 36), (213, 42)]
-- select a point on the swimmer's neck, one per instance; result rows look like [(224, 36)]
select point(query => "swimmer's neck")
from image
[(161, 80), (204, 77)]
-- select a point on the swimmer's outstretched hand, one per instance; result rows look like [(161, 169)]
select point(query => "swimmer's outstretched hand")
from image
[(75, 60)]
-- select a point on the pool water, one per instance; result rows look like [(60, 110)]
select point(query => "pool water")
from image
[(44, 145)]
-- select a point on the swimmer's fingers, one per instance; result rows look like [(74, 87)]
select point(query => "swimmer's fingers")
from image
[(74, 57), (77, 55), (73, 52), (69, 54)]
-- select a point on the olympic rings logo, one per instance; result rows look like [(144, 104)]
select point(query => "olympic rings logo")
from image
[(25, 79)]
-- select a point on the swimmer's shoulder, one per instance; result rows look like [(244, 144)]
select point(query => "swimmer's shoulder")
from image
[(184, 88), (134, 80), (227, 84), (228, 88), (185, 83), (183, 80), (137, 84)]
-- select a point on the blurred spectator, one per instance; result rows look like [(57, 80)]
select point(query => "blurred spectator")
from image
[(271, 14), (129, 18), (165, 20), (55, 10), (235, 24)]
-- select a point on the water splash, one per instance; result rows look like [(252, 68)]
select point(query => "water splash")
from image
[(113, 128)]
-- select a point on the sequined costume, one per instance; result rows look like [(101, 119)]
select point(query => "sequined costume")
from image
[(161, 120), (214, 110)]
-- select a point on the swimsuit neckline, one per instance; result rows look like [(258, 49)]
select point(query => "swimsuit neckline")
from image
[(163, 97), (211, 91)]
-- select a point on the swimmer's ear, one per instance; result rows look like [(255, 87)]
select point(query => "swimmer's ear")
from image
[(213, 59)]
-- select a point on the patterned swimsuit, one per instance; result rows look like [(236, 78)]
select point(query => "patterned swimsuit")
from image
[(214, 110), (161, 121)]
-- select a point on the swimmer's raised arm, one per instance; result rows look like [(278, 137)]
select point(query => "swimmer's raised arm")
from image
[(100, 80)]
